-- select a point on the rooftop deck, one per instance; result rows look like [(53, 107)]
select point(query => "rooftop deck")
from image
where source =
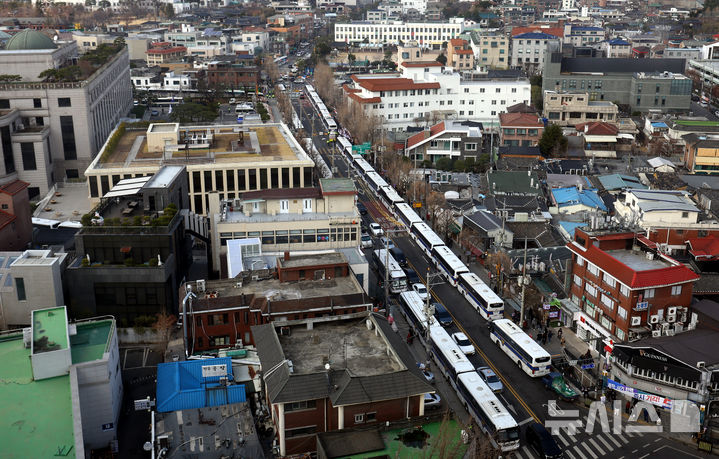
[(638, 260), (280, 291), (347, 344), (37, 415), (265, 142), (91, 340)]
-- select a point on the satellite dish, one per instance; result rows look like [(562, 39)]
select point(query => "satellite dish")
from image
[(147, 446)]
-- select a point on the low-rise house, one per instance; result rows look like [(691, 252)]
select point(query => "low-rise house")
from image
[(163, 52), (600, 139), (572, 200), (520, 129), (448, 139), (572, 108)]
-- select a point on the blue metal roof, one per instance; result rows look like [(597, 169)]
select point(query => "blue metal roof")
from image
[(618, 41), (569, 227), (535, 36), (586, 28), (620, 181), (570, 196), (180, 386)]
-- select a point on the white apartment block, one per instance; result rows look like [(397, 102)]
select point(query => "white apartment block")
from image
[(426, 93), (425, 33), (419, 5), (529, 49)]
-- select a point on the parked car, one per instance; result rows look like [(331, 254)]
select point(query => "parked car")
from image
[(361, 208), (412, 276), (421, 290), (442, 315), (538, 438), (375, 230), (366, 241), (154, 112), (432, 401), (555, 382), (398, 255), (491, 379), (465, 345), (428, 375)]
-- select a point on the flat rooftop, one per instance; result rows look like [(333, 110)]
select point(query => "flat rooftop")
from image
[(37, 415), (312, 260), (49, 329), (347, 344), (91, 341), (270, 142), (638, 260), (69, 203)]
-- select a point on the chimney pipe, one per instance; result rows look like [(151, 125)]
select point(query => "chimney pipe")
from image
[(287, 256)]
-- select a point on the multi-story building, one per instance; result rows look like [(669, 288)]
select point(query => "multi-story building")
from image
[(15, 216), (701, 154), (583, 35), (249, 39), (572, 108), (309, 218), (448, 139), (643, 84), (363, 352), (426, 92), (520, 129), (163, 52), (621, 288), (708, 71), (617, 47), (229, 159), (427, 34), (459, 55), (51, 130), (132, 257), (650, 208), (71, 391), (529, 50), (230, 75), (31, 278), (419, 6), (491, 50), (312, 286)]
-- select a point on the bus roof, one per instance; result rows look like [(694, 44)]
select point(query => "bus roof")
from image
[(481, 287), (391, 194), (450, 258), (408, 213), (428, 233), (452, 353), (487, 401), (522, 339), (416, 307)]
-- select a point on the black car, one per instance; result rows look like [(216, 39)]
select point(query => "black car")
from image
[(361, 208), (539, 438), (412, 277), (442, 315), (398, 256)]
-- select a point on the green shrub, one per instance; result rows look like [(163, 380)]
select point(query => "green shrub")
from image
[(112, 142), (152, 262), (129, 262)]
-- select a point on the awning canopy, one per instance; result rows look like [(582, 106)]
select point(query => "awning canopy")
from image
[(127, 187)]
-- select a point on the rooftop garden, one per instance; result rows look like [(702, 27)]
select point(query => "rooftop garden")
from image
[(86, 66), (139, 223)]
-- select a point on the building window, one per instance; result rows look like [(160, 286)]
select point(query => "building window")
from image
[(592, 268), (371, 417), (676, 290), (622, 312), (4, 103), (28, 156), (580, 261), (470, 146), (589, 288), (20, 288), (610, 281), (649, 293), (37, 103), (8, 157), (577, 280), (303, 405), (67, 129), (624, 290), (359, 418), (301, 431), (620, 334), (64, 102), (306, 205)]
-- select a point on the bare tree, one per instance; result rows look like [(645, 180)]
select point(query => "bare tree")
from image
[(164, 325), (397, 169)]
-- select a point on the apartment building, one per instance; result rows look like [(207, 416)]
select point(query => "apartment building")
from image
[(520, 129), (288, 219), (419, 6), (701, 154), (459, 55), (427, 92), (232, 75), (51, 130), (617, 47), (529, 50), (658, 208), (622, 288), (229, 159), (491, 50), (164, 52), (643, 84), (427, 34), (584, 35), (572, 108), (448, 139), (312, 286)]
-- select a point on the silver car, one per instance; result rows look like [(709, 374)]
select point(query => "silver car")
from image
[(491, 378)]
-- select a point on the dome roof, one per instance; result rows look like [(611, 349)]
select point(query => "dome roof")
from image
[(30, 39)]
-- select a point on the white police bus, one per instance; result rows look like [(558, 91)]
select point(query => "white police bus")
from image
[(446, 353), (448, 263), (487, 303), (529, 355), (413, 310), (426, 237), (388, 266)]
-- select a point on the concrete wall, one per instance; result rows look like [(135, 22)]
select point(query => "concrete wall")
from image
[(43, 289)]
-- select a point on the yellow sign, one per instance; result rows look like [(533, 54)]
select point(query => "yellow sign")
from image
[(417, 204)]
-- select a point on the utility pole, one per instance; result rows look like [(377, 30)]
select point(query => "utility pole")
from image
[(428, 282), (387, 234), (524, 283)]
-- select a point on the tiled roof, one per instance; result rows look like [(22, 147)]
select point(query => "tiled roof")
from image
[(464, 51), (555, 31), (572, 195), (364, 100), (348, 89), (14, 187), (660, 277), (597, 128), (619, 181), (456, 42), (417, 138), (534, 36), (704, 248), (519, 119), (436, 128), (394, 84)]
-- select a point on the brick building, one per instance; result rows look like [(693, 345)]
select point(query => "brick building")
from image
[(625, 289), (163, 52), (520, 129), (459, 55), (333, 374), (230, 75), (15, 216), (303, 287)]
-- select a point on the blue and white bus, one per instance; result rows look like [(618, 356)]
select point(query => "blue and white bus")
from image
[(413, 309), (487, 303), (388, 266), (529, 355), (390, 197), (426, 237), (376, 182), (484, 406), (407, 215), (448, 263), (363, 167), (448, 355)]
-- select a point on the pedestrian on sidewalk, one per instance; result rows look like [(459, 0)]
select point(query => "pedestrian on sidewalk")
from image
[(562, 342), (549, 336), (559, 333), (646, 415), (628, 407)]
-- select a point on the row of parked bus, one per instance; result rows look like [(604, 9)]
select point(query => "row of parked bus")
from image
[(327, 120), (474, 393)]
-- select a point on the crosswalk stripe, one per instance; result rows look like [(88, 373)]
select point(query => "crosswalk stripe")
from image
[(527, 452), (596, 446), (561, 437), (614, 440), (604, 442), (571, 456), (591, 453)]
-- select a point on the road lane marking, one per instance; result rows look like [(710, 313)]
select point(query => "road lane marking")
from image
[(561, 437), (571, 456), (614, 440), (591, 453), (596, 446), (526, 421), (604, 442)]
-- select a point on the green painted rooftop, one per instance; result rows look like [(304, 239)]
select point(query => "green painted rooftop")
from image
[(49, 329), (696, 123), (37, 415), (91, 341), (337, 185)]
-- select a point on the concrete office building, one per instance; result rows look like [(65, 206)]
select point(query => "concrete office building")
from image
[(229, 159), (643, 84), (491, 50), (28, 280), (529, 50), (427, 34), (50, 131), (572, 108)]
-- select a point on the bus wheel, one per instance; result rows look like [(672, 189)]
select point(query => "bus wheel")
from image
[(519, 363)]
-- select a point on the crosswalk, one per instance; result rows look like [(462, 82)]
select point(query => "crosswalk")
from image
[(596, 446)]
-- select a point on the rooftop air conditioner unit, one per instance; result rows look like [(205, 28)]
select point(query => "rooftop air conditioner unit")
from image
[(672, 310), (656, 333), (654, 319), (636, 320), (201, 285), (671, 318)]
